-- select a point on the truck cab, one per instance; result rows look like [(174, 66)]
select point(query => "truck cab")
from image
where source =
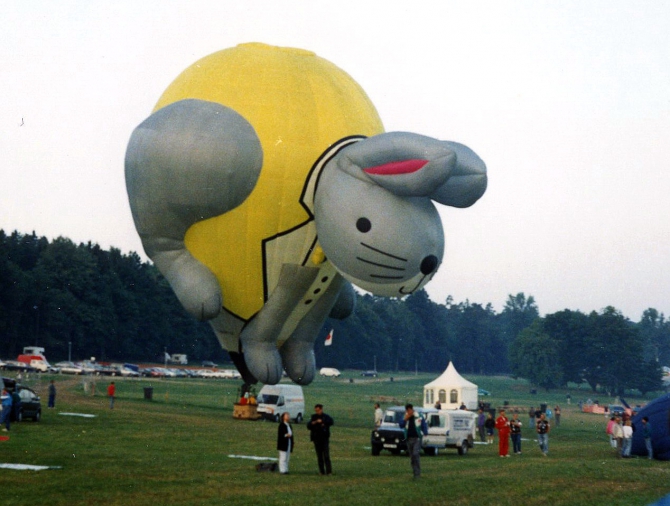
[(450, 428)]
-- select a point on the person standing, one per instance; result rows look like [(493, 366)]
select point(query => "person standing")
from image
[(503, 426), (542, 428), (52, 394), (608, 431), (379, 415), (415, 427), (319, 427), (531, 417), (481, 425), (557, 414), (284, 442), (515, 430), (6, 399), (646, 433), (627, 439), (490, 425), (617, 435), (111, 393)]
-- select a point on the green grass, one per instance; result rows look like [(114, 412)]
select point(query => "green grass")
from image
[(175, 450)]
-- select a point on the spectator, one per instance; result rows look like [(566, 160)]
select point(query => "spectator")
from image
[(52, 394), (627, 439), (319, 427), (608, 431), (111, 393), (415, 427), (379, 415), (284, 442), (481, 425), (617, 436), (515, 429), (503, 426), (16, 405), (490, 425), (6, 399), (542, 428), (647, 433)]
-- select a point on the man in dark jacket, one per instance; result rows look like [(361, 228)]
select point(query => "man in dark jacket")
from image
[(319, 427), (415, 428)]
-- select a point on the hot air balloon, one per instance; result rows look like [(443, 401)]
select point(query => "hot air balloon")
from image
[(263, 184)]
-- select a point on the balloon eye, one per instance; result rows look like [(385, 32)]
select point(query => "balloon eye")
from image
[(363, 225)]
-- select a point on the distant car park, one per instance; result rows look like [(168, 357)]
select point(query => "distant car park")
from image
[(14, 365)]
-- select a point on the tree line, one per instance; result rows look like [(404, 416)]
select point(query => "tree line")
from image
[(115, 307)]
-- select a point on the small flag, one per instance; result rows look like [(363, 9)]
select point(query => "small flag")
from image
[(329, 338)]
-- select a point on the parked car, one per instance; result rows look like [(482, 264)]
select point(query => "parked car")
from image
[(86, 367), (127, 373), (389, 436), (69, 368), (329, 372), (616, 410), (369, 374), (481, 391), (31, 406), (207, 363), (15, 365)]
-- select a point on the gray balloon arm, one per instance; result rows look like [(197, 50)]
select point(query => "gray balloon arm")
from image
[(193, 283)]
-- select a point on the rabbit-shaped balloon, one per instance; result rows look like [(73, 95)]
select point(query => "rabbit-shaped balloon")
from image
[(263, 183)]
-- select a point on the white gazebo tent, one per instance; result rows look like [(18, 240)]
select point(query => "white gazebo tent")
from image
[(451, 389)]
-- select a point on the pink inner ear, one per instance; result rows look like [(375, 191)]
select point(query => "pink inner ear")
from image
[(395, 168)]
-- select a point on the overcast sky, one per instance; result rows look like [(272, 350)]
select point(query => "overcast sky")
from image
[(568, 103)]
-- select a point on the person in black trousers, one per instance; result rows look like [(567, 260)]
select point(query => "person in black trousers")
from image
[(319, 427)]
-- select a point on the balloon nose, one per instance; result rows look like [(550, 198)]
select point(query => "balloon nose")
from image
[(429, 264)]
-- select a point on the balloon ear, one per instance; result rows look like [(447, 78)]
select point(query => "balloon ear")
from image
[(467, 182), (412, 165), (406, 164)]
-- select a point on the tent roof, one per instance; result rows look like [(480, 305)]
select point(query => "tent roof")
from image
[(451, 378)]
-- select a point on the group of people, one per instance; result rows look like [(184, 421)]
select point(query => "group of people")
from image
[(511, 429), (620, 431), (319, 427)]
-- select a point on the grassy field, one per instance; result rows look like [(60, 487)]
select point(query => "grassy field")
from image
[(183, 447)]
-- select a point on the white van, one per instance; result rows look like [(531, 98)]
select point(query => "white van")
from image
[(273, 400), (329, 372), (450, 428)]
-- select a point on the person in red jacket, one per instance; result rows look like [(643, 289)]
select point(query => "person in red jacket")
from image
[(502, 424), (111, 393)]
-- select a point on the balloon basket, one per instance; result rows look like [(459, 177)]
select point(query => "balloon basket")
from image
[(245, 412)]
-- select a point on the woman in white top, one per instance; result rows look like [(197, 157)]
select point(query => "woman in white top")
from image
[(284, 442)]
